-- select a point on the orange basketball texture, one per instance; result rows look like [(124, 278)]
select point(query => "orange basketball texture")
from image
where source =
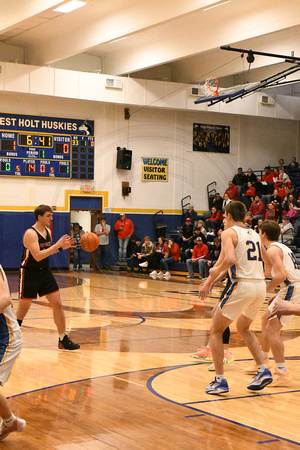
[(89, 242)]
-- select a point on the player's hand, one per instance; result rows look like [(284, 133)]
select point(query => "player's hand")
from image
[(65, 242), (271, 299), (205, 289), (282, 307)]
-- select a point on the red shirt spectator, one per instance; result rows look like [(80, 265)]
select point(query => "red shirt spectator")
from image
[(257, 207), (268, 176), (215, 215), (232, 191), (251, 191), (200, 251), (124, 227), (174, 250)]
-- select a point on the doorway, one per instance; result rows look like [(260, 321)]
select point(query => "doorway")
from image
[(87, 211)]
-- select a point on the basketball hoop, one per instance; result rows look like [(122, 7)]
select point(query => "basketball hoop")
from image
[(212, 86)]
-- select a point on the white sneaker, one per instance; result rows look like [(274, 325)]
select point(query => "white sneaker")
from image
[(160, 275), (153, 274), (144, 264), (167, 276)]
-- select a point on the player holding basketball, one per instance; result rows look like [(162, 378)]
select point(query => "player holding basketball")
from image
[(36, 277), (285, 272), (243, 255), (10, 344)]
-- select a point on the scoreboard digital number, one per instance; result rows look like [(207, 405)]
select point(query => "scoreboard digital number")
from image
[(40, 149)]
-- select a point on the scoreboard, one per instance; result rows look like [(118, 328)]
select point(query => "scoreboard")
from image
[(46, 147)]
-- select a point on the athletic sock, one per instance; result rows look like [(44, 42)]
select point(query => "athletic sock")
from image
[(219, 378), (19, 322), (281, 367), (261, 368), (264, 354), (9, 421), (61, 336)]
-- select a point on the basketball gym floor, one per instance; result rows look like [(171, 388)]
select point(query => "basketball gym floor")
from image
[(133, 385)]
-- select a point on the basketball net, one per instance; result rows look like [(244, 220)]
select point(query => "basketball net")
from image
[(211, 86)]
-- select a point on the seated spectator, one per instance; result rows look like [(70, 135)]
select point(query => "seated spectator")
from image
[(290, 189), (215, 220), (270, 212), (249, 195), (282, 191), (186, 233), (147, 249), (281, 162), (248, 219), (293, 164), (200, 252), (251, 176), (293, 211), (155, 257), (276, 200), (240, 180), (282, 178), (202, 229), (191, 213), (257, 209), (256, 227), (170, 257), (133, 260), (287, 231), (226, 200), (276, 174), (198, 232), (214, 253), (291, 200), (267, 181), (216, 201), (232, 191)]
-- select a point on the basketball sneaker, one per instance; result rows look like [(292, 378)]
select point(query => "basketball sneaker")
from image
[(280, 378), (203, 353), (153, 274), (18, 425), (252, 369), (67, 344), (167, 276), (228, 358), (160, 275), (217, 387), (260, 380), (144, 264)]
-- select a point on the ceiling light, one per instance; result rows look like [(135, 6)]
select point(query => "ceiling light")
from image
[(70, 6), (215, 6)]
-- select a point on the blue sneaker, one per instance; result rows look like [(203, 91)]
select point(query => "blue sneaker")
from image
[(217, 387), (260, 380)]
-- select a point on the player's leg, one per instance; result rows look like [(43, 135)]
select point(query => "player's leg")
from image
[(64, 341), (22, 310)]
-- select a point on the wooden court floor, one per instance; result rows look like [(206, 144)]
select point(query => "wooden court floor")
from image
[(133, 385)]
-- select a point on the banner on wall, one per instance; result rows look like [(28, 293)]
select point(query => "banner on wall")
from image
[(155, 169), (211, 138)]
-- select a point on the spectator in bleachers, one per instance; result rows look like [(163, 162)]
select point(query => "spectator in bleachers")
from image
[(267, 181), (232, 191), (191, 213), (257, 209), (282, 192), (283, 177), (240, 180), (147, 249), (290, 200), (287, 231), (290, 189), (248, 219), (214, 253), (170, 257), (276, 200), (276, 174), (136, 250), (251, 176), (216, 201), (293, 210), (186, 233), (293, 164), (256, 227), (270, 212), (249, 195), (215, 220), (155, 257), (281, 162), (198, 232), (200, 252), (226, 200), (202, 229)]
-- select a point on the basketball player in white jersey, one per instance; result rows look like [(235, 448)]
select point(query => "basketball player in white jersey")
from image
[(285, 272), (242, 254), (10, 346)]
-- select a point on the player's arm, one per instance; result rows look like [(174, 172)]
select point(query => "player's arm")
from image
[(5, 298), (266, 260), (208, 284), (31, 242), (276, 259), (284, 308)]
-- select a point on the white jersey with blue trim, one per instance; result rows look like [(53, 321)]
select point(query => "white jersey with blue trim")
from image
[(249, 264), (290, 264), (8, 320)]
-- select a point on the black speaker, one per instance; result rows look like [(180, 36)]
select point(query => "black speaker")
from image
[(124, 158)]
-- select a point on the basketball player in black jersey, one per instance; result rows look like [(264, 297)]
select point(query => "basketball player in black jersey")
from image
[(36, 277)]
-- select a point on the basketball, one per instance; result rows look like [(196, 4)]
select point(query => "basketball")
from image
[(89, 242)]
